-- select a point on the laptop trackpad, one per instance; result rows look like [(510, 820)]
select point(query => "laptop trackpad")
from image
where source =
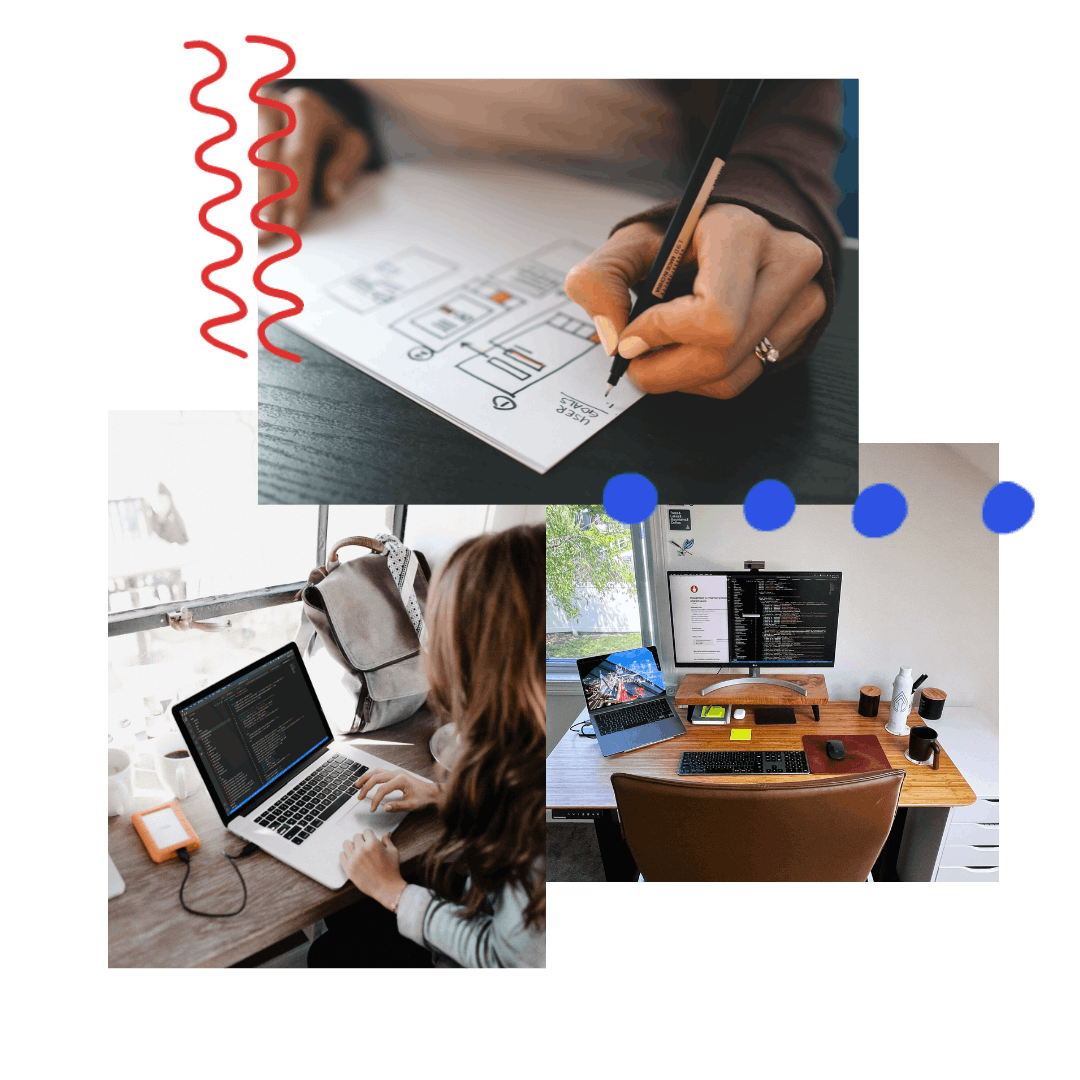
[(360, 817)]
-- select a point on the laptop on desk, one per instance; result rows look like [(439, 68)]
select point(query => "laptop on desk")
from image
[(624, 693), (276, 776)]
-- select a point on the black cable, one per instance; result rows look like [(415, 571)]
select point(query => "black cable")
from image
[(580, 729), (185, 857)]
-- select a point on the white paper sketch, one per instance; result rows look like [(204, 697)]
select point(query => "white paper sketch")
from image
[(389, 279), (448, 286)]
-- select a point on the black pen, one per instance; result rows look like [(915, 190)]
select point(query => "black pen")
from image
[(734, 107)]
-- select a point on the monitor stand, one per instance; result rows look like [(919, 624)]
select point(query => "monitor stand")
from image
[(755, 678)]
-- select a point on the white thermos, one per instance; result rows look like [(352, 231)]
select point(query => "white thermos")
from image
[(901, 703)]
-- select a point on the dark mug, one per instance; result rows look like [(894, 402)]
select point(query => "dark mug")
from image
[(922, 742)]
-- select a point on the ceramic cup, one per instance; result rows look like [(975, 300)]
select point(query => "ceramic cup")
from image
[(119, 782), (923, 746), (175, 769)]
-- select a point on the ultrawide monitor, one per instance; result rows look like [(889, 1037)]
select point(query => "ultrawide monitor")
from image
[(754, 618)]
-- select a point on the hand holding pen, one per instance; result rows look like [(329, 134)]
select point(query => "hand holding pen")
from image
[(751, 282)]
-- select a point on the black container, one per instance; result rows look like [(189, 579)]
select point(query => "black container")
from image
[(931, 702)]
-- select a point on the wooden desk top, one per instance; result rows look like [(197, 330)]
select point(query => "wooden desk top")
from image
[(149, 928), (689, 692), (578, 776)]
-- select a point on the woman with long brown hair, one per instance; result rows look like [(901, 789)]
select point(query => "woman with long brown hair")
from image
[(482, 903)]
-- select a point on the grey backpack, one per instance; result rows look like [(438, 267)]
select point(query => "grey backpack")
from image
[(369, 615)]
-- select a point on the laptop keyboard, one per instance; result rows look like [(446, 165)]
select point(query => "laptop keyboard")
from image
[(305, 807), (645, 713)]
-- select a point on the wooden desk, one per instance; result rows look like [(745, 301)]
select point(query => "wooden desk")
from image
[(149, 928), (579, 777), (328, 433)]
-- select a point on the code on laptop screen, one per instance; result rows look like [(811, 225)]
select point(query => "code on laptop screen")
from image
[(254, 729), (622, 677)]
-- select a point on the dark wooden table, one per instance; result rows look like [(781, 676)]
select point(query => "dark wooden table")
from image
[(149, 928), (328, 433)]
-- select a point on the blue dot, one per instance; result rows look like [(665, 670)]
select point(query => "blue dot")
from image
[(769, 505), (879, 510), (629, 498), (1007, 507)]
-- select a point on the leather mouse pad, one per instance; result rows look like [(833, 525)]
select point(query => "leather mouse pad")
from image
[(862, 753)]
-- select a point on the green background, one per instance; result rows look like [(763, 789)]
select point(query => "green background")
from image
[(963, 279)]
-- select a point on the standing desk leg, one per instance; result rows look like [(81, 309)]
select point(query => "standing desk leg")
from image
[(817, 714), (619, 864), (885, 867), (924, 831)]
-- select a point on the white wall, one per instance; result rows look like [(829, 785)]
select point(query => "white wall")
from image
[(563, 706), (925, 597)]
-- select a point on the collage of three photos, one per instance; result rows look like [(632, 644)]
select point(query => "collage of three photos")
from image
[(554, 492)]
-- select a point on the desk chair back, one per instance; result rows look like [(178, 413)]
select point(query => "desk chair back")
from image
[(831, 829)]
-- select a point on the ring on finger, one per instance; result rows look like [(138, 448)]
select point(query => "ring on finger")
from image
[(767, 353)]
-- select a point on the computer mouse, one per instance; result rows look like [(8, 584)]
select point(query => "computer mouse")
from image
[(835, 749)]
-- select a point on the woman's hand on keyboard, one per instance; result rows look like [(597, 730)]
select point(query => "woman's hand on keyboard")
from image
[(381, 782), (372, 865)]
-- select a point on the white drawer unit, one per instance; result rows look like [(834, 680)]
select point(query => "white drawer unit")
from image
[(984, 811), (972, 832), (966, 873), (969, 849), (958, 843), (958, 855)]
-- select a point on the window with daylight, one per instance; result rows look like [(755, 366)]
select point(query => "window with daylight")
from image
[(593, 601), (188, 538)]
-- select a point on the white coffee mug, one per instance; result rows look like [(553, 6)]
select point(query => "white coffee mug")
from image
[(174, 766), (119, 782)]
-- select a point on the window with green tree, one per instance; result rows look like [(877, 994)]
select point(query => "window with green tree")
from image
[(592, 604)]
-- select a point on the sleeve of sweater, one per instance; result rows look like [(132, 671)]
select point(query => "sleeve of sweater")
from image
[(497, 940), (781, 167)]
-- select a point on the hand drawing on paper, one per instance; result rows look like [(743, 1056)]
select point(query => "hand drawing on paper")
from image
[(446, 283)]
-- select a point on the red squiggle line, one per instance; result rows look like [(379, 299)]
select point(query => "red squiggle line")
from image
[(256, 210), (204, 221)]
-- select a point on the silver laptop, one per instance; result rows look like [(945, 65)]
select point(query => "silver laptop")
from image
[(624, 693), (268, 757)]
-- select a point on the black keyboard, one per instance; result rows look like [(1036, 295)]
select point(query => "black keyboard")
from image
[(741, 762), (305, 807), (645, 713)]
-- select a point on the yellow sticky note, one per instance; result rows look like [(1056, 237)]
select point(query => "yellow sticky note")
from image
[(742, 733), (719, 711)]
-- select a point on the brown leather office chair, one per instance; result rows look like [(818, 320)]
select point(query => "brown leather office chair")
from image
[(831, 829)]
